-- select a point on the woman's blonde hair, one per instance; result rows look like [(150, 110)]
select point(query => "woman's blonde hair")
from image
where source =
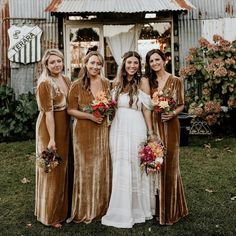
[(83, 74), (49, 52)]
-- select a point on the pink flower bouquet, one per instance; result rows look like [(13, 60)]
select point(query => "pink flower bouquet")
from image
[(151, 156), (48, 160)]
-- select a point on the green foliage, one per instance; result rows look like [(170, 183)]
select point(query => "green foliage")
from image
[(211, 77), (17, 116)]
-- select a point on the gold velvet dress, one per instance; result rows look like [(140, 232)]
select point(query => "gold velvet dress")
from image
[(51, 200), (92, 165), (172, 203)]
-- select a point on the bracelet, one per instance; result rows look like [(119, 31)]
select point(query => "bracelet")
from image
[(174, 112), (150, 132)]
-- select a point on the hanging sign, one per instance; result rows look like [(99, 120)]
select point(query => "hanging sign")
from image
[(24, 44)]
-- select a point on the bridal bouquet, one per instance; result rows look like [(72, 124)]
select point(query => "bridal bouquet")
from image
[(102, 106), (162, 103), (151, 156), (48, 160)]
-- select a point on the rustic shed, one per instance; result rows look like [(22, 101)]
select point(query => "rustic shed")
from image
[(116, 26)]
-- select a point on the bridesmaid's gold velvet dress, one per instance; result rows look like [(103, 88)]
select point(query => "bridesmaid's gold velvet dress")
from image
[(172, 203), (51, 197), (92, 164)]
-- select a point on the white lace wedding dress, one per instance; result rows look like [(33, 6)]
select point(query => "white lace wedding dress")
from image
[(130, 201)]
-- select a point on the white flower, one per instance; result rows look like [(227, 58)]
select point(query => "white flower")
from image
[(163, 104), (224, 109)]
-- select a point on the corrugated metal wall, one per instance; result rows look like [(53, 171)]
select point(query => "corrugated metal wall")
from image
[(190, 24), (31, 12), (189, 31)]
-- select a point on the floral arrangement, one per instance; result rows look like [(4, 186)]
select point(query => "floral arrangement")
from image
[(162, 102), (151, 156), (102, 106), (210, 72), (48, 160), (210, 111)]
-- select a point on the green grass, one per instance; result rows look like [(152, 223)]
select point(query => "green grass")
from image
[(208, 172)]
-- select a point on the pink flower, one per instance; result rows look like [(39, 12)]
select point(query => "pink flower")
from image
[(211, 119), (224, 43), (213, 47), (151, 156), (192, 50), (203, 42), (230, 61), (189, 58), (220, 72), (205, 92), (187, 71), (198, 111), (212, 107)]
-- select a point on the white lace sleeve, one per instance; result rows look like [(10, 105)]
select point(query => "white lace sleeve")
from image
[(146, 100)]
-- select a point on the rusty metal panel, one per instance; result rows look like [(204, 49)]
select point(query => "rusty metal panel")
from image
[(212, 9), (4, 43)]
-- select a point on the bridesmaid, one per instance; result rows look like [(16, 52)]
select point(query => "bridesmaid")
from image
[(171, 203), (52, 132), (92, 167)]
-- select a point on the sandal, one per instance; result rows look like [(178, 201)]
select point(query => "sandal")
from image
[(56, 225)]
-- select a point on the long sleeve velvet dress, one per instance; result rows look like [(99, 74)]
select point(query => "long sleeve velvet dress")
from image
[(51, 197), (92, 164), (172, 203)]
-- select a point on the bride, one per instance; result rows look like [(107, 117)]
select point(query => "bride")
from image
[(130, 201)]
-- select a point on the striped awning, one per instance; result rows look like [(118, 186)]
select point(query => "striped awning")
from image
[(117, 6)]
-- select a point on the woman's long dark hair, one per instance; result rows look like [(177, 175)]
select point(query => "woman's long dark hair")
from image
[(122, 81), (149, 73), (83, 74)]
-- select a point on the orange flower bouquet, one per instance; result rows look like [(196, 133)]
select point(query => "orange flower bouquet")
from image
[(162, 103), (102, 105)]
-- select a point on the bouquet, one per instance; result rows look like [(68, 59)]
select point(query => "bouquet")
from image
[(48, 160), (163, 103), (151, 156), (102, 106)]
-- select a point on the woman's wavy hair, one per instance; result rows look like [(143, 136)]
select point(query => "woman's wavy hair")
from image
[(149, 73), (83, 74), (49, 52), (122, 80)]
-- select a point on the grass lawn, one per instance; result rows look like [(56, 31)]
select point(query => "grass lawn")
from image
[(209, 175)]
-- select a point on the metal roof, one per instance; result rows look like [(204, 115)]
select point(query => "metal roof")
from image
[(117, 6)]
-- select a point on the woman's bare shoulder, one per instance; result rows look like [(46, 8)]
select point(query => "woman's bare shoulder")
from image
[(144, 85)]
